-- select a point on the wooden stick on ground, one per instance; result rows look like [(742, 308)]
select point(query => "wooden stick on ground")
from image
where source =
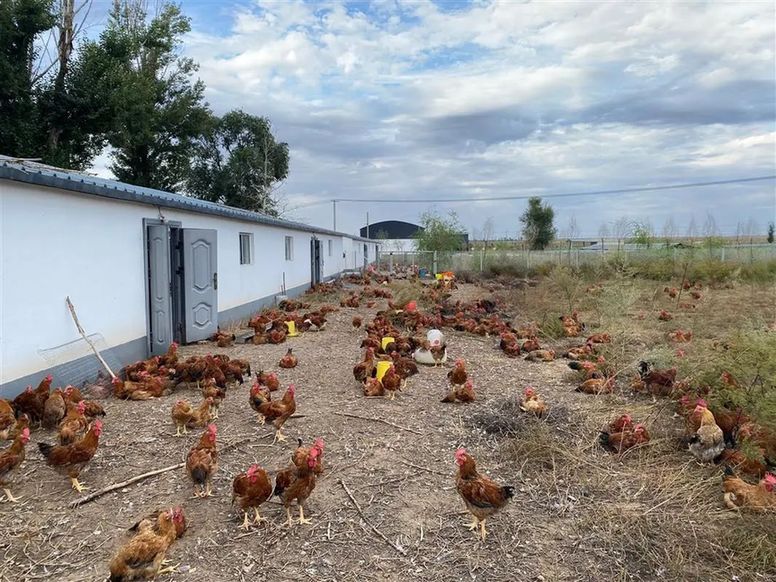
[(378, 420), (100, 492), (88, 341), (380, 534), (109, 488)]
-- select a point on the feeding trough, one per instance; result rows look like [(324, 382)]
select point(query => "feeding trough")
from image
[(386, 341), (434, 338), (382, 368), (291, 325)]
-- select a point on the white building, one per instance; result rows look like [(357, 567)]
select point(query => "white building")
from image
[(142, 267)]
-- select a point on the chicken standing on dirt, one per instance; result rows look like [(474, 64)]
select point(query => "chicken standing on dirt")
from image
[(32, 402), (298, 481), (289, 360), (54, 409), (249, 490), (141, 558), (74, 424), (71, 459), (483, 497), (708, 442), (278, 411), (7, 419), (184, 415), (532, 402), (10, 459), (457, 376), (391, 382), (202, 462), (365, 369)]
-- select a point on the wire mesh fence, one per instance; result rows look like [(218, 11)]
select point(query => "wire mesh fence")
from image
[(480, 260)]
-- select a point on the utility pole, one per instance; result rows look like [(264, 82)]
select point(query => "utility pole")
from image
[(367, 225), (334, 214)]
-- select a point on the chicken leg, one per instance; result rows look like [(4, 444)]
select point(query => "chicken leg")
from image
[(257, 517), (262, 420), (245, 525), (279, 437), (483, 531), (474, 524), (10, 497), (302, 520), (77, 485), (290, 520), (168, 569)]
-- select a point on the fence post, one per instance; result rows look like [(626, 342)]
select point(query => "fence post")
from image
[(434, 267), (722, 258), (482, 255), (390, 263)]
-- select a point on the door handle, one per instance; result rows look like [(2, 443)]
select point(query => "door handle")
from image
[(215, 281)]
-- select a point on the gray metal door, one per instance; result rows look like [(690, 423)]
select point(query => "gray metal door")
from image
[(159, 300), (200, 283), (315, 260)]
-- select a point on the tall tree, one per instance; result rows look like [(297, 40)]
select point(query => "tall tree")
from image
[(238, 162), (21, 23), (158, 108), (537, 221), (771, 229)]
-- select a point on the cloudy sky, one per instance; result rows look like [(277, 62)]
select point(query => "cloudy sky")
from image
[(427, 100)]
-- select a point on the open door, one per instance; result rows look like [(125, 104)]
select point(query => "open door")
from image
[(315, 260), (200, 284), (159, 295)]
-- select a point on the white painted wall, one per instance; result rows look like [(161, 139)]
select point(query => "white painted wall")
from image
[(55, 243)]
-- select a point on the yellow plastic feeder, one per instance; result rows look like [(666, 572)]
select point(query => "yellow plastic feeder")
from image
[(382, 368), (438, 276), (386, 341), (291, 325)]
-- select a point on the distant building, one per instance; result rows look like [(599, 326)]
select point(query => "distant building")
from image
[(400, 236)]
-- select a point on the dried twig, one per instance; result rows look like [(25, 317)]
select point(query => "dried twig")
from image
[(425, 469), (109, 488), (380, 534), (100, 492), (378, 420)]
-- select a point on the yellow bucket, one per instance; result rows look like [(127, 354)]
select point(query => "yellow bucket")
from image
[(438, 276), (386, 341), (382, 368), (291, 325)]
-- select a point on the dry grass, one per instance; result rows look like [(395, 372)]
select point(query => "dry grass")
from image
[(579, 513)]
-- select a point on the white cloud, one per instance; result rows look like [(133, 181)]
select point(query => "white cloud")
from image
[(402, 98)]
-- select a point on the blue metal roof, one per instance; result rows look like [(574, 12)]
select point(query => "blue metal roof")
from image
[(30, 172)]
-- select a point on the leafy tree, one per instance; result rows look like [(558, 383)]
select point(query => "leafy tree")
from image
[(21, 22), (238, 162), (538, 229), (642, 234), (158, 110), (440, 233), (770, 232)]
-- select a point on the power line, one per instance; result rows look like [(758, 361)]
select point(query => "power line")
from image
[(558, 195)]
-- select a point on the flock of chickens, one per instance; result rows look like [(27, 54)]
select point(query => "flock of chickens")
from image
[(392, 338)]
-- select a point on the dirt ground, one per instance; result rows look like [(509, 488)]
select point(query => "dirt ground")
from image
[(578, 513)]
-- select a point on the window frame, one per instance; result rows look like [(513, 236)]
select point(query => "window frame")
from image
[(289, 247), (330, 245), (248, 236)]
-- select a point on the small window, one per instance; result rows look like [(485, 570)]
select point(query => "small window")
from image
[(289, 248), (246, 246), (331, 246)]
